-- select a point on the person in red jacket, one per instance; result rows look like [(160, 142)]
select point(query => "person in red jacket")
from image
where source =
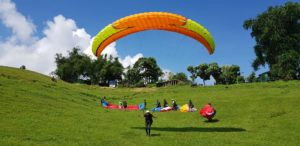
[(208, 112)]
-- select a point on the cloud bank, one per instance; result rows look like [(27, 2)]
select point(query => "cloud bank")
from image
[(61, 34)]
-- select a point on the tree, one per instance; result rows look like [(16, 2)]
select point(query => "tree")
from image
[(215, 71), (251, 78), (202, 72), (148, 69), (117, 70), (112, 70), (131, 76), (192, 70), (180, 76), (277, 35), (240, 79), (23, 67), (230, 73), (287, 67), (65, 66), (226, 74), (78, 67), (95, 70)]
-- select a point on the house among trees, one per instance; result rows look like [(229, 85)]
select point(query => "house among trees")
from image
[(168, 83), (112, 84)]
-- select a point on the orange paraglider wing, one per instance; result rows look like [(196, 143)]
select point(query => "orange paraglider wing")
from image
[(149, 21)]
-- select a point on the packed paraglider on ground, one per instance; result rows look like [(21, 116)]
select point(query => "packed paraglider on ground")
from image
[(207, 111)]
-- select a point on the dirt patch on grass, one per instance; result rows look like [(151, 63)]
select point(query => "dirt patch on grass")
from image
[(144, 89)]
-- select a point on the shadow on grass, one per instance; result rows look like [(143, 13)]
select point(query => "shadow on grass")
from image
[(212, 121), (155, 134), (194, 129)]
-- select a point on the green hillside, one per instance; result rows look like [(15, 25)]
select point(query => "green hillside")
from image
[(37, 111)]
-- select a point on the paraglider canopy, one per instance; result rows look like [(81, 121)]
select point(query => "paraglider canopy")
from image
[(149, 21)]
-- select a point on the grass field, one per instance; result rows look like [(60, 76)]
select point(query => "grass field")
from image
[(36, 111)]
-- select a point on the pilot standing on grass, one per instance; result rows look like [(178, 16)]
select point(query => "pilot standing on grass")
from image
[(148, 122)]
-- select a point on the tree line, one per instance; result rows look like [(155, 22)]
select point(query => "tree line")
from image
[(222, 75), (77, 67)]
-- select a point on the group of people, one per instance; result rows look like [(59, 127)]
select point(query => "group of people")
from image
[(174, 105), (165, 104)]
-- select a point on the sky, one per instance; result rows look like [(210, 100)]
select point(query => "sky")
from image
[(33, 31)]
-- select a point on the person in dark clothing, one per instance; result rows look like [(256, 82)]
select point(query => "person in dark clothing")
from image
[(145, 103), (157, 104), (103, 100), (174, 105), (148, 122), (191, 105), (165, 103), (125, 104)]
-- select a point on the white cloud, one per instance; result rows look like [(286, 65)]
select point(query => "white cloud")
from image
[(22, 47), (22, 28), (61, 35), (129, 61), (88, 50), (111, 50)]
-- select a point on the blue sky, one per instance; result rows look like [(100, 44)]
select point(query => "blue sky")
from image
[(224, 20)]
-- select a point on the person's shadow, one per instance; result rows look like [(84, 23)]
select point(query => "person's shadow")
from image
[(212, 121), (157, 134), (194, 129)]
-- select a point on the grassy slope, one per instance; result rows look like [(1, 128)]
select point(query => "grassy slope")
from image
[(36, 111)]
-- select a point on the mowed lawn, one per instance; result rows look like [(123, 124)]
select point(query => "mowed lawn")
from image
[(37, 111)]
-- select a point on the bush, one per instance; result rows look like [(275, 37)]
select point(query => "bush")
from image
[(159, 84), (23, 67), (140, 84), (151, 85)]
